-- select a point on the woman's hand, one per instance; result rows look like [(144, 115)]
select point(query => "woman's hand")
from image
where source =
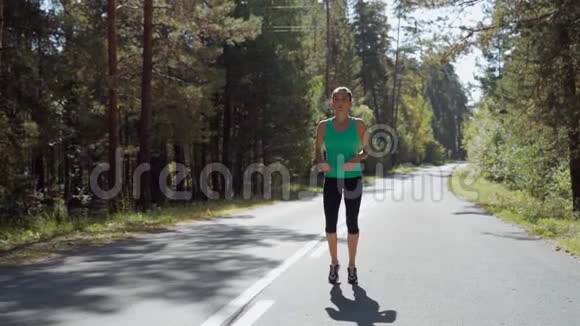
[(348, 166), (324, 167)]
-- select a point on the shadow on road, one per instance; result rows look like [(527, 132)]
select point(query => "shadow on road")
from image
[(472, 213), (187, 265), (363, 310), (472, 210), (513, 235)]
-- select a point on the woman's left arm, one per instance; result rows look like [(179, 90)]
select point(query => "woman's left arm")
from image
[(361, 128)]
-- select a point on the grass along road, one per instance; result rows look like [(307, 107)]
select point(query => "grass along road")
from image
[(517, 207), (48, 236)]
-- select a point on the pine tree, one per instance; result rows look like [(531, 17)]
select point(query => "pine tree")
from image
[(449, 103), (113, 97), (145, 127), (345, 64), (371, 39)]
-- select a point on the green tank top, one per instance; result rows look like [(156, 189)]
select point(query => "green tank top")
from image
[(341, 146)]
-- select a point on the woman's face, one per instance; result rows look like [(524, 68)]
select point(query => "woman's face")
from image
[(341, 102)]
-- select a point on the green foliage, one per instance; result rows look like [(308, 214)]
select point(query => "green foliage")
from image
[(365, 113), (535, 215), (236, 82), (434, 153), (449, 104), (8, 162), (483, 137), (416, 129), (317, 102), (372, 42), (531, 87), (520, 153), (416, 141), (345, 63)]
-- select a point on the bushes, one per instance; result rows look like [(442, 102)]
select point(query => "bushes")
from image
[(521, 154), (434, 153), (483, 138)]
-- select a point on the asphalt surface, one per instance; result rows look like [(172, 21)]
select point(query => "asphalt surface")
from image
[(426, 257)]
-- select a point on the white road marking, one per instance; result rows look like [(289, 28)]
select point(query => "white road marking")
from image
[(323, 247), (229, 310), (238, 303), (257, 310)]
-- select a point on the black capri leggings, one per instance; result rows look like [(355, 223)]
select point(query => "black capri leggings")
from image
[(333, 188)]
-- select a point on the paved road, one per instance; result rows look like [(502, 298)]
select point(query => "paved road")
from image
[(426, 257)]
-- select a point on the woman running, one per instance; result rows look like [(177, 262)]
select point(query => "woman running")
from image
[(345, 141)]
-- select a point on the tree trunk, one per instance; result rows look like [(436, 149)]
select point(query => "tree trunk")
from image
[(259, 151), (238, 174), (39, 173), (195, 171), (202, 163), (66, 167), (75, 181), (158, 163), (1, 31), (395, 76), (128, 163), (568, 80), (227, 113), (52, 173), (145, 121), (396, 107), (215, 153), (376, 108), (574, 149), (113, 99), (395, 119), (459, 138), (236, 162), (327, 68), (179, 159)]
